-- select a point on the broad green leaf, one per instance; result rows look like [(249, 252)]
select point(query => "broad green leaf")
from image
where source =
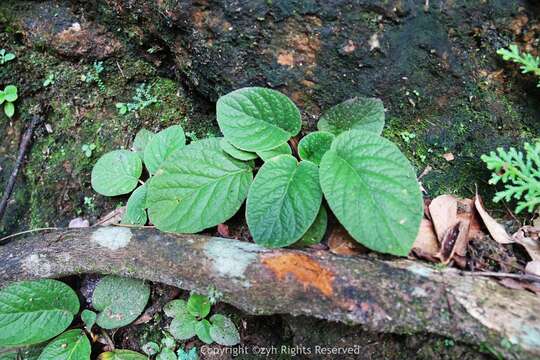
[(176, 308), (283, 201), (116, 173), (150, 348), (372, 189), (88, 317), (183, 328), (354, 114), (9, 56), (313, 146), (136, 207), (187, 355), (35, 311), (202, 329), (142, 139), (198, 305), (201, 188), (235, 152), (316, 231), (166, 354), (162, 145), (223, 331), (119, 300), (9, 109), (257, 119), (283, 149), (122, 355), (10, 93), (71, 345)]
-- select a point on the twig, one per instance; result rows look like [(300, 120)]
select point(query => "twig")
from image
[(26, 232), (500, 274), (119, 68), (25, 143), (135, 226)]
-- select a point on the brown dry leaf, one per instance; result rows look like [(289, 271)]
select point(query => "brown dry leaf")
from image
[(443, 212), (426, 245), (456, 237), (448, 156), (114, 217), (496, 230), (341, 243), (527, 237), (533, 267), (520, 285), (467, 211), (78, 223), (223, 230)]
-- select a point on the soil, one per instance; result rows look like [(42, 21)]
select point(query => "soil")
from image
[(435, 68)]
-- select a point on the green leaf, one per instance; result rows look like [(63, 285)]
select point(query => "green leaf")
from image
[(176, 308), (10, 93), (316, 231), (223, 331), (9, 56), (142, 139), (120, 301), (313, 146), (354, 114), (235, 152), (121, 355), (162, 145), (116, 173), (189, 355), (35, 311), (283, 149), (88, 317), (71, 345), (9, 109), (257, 119), (202, 329), (183, 328), (201, 188), (150, 348), (372, 189), (198, 305), (136, 207), (166, 354), (2, 97), (283, 201)]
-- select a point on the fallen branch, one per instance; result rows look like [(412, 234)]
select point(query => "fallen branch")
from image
[(23, 148), (399, 296)]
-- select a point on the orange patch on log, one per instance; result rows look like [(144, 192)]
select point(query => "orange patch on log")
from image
[(303, 268)]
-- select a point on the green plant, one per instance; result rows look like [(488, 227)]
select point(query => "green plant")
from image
[(189, 320), (33, 312), (165, 351), (49, 80), (5, 56), (368, 183), (520, 174), (528, 62), (8, 96), (94, 75), (142, 99), (88, 149)]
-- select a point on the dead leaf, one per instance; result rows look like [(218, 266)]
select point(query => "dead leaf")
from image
[(467, 211), (527, 237), (456, 237), (533, 267), (443, 212), (496, 230), (448, 156), (114, 217), (223, 230), (78, 223), (341, 243), (520, 285), (426, 245)]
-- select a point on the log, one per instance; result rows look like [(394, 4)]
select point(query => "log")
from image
[(399, 296)]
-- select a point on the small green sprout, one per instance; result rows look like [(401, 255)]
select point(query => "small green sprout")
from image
[(49, 80), (94, 75), (528, 62), (88, 149), (7, 97), (5, 56), (143, 98)]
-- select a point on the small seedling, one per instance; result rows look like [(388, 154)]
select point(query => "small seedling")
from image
[(8, 96), (88, 149), (189, 320), (5, 56), (49, 80), (94, 75), (142, 99), (528, 62)]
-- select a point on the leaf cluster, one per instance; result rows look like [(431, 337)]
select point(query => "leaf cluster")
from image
[(142, 99), (8, 96), (528, 62), (520, 174), (94, 75), (367, 182), (6, 56)]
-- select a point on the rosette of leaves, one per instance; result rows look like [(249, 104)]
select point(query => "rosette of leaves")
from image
[(8, 96), (189, 320)]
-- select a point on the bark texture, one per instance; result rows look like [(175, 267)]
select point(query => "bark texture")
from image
[(398, 296)]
